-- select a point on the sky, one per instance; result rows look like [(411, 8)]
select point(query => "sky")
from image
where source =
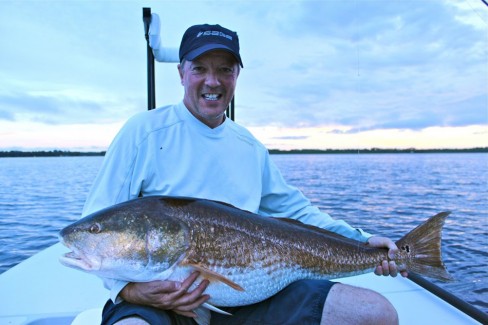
[(317, 74)]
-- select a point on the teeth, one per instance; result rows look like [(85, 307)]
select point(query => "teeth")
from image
[(211, 96)]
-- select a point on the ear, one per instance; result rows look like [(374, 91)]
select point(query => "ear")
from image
[(180, 71)]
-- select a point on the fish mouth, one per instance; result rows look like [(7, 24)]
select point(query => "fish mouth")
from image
[(77, 260), (72, 260)]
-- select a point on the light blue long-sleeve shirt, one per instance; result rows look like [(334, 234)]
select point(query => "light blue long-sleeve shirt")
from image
[(167, 151)]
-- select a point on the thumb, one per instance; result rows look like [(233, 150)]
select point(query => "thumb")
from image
[(376, 241), (392, 253)]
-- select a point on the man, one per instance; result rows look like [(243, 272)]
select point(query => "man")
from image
[(191, 149)]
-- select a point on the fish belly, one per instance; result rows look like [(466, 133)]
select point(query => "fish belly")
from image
[(259, 283)]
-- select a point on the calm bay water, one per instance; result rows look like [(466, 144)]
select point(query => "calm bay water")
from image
[(385, 194)]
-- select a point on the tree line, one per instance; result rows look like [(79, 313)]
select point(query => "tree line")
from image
[(65, 153)]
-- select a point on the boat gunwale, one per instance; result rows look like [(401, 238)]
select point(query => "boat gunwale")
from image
[(450, 298)]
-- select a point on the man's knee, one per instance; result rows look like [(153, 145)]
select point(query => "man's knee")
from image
[(352, 305), (382, 311)]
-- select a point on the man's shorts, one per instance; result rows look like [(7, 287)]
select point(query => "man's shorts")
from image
[(301, 302)]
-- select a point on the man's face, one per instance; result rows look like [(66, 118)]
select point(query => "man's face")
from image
[(209, 82)]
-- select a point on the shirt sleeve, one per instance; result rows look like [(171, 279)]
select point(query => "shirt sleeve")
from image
[(114, 184), (115, 286), (282, 200)]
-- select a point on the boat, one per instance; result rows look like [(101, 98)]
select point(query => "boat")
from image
[(41, 291)]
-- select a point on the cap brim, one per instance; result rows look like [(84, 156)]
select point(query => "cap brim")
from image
[(192, 55)]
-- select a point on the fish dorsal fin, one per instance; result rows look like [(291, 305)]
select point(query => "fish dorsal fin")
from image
[(213, 276)]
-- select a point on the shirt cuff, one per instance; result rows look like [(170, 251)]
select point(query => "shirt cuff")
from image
[(364, 234), (115, 287)]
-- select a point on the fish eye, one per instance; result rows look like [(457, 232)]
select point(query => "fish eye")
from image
[(95, 228)]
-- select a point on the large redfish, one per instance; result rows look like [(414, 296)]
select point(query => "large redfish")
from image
[(246, 257)]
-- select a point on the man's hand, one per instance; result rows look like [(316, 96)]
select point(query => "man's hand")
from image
[(386, 268), (168, 295)]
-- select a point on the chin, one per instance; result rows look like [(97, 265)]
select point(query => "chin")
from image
[(215, 112)]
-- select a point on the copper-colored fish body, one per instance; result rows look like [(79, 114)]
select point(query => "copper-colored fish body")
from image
[(246, 257)]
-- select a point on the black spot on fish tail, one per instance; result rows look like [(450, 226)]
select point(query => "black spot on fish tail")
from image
[(421, 248)]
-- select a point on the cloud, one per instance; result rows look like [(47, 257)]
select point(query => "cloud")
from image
[(297, 137), (72, 62), (343, 65), (374, 64), (58, 108), (46, 109)]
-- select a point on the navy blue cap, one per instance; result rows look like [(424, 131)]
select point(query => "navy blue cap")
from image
[(200, 39)]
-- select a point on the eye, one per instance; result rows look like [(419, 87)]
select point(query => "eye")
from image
[(197, 69), (95, 228), (227, 70)]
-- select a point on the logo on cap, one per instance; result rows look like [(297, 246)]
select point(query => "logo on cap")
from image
[(214, 33)]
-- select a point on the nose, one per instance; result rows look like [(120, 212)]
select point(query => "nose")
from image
[(212, 79)]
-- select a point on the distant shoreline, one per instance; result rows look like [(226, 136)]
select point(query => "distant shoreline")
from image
[(375, 150), (63, 153), (46, 153)]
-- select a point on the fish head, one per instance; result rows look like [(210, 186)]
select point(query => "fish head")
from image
[(131, 241)]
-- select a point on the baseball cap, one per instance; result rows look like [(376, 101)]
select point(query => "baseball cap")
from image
[(200, 39)]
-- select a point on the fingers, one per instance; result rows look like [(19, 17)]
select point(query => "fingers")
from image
[(386, 268), (192, 301), (186, 301), (181, 298), (169, 295), (392, 268), (185, 285)]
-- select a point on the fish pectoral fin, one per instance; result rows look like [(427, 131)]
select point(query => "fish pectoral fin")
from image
[(215, 309), (203, 315), (214, 276)]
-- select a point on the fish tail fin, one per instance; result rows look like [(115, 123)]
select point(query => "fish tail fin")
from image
[(422, 248)]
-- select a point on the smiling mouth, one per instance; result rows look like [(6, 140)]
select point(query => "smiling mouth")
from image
[(212, 97)]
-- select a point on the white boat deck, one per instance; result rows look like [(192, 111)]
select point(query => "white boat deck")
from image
[(41, 291)]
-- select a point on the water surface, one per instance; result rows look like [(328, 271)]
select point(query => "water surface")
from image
[(385, 194)]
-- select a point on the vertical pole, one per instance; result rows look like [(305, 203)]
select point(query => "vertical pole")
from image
[(230, 111), (151, 93)]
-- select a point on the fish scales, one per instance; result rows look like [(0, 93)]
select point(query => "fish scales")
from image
[(247, 258), (272, 242), (216, 233)]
